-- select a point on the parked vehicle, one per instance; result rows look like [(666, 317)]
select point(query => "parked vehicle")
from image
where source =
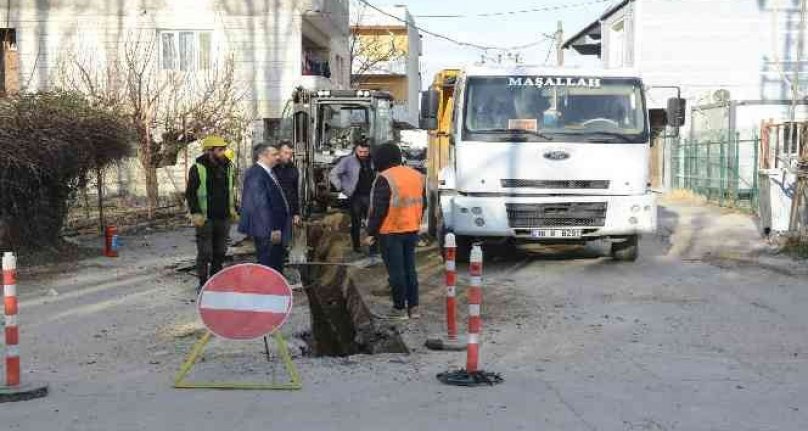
[(549, 155)]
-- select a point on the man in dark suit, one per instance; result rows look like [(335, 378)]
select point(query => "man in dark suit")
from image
[(265, 214)]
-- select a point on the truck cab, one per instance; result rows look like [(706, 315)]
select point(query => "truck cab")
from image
[(534, 154)]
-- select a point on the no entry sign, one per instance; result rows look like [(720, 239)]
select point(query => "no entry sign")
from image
[(244, 302)]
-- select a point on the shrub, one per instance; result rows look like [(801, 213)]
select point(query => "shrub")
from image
[(49, 143)]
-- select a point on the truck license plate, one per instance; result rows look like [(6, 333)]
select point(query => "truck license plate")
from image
[(556, 233)]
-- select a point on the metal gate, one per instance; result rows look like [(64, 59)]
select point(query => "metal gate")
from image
[(721, 169)]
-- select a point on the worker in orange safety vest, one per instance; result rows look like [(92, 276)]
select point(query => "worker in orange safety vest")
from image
[(396, 210)]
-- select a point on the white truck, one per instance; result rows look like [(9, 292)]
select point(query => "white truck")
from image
[(551, 155)]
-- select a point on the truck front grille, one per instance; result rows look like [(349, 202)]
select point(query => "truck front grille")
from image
[(556, 184), (567, 214)]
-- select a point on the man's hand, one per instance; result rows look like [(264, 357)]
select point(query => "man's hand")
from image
[(370, 241), (275, 237), (296, 220), (198, 220)]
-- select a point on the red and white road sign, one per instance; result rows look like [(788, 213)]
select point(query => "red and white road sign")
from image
[(245, 301)]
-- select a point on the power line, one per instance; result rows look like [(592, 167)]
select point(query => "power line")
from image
[(452, 40), (520, 12)]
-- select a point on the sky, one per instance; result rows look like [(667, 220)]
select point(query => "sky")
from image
[(506, 31)]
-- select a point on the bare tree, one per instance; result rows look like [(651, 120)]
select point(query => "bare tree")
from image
[(168, 108), (369, 48)]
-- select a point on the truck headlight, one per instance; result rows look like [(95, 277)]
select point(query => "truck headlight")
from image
[(476, 210), (635, 208)]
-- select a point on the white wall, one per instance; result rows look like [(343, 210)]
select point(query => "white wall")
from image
[(264, 36), (705, 45), (627, 16)]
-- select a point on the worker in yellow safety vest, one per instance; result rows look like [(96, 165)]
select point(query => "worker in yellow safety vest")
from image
[(396, 209), (212, 204)]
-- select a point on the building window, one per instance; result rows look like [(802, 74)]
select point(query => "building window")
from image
[(617, 44), (185, 50)]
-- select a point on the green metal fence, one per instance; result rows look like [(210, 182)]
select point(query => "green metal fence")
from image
[(722, 168)]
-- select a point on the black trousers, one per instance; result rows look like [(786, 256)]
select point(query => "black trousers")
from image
[(398, 252), (360, 204), (271, 255), (211, 247)]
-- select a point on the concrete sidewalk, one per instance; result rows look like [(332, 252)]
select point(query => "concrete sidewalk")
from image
[(697, 231)]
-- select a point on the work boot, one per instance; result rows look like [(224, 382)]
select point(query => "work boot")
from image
[(396, 314), (414, 312)]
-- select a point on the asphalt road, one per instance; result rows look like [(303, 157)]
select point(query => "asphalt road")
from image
[(669, 342)]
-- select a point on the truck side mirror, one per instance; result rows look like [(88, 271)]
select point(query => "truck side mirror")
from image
[(676, 112), (430, 100)]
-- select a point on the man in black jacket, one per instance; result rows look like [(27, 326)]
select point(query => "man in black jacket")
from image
[(289, 177), (212, 203)]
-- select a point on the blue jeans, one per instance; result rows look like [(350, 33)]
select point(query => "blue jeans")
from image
[(269, 254), (398, 252)]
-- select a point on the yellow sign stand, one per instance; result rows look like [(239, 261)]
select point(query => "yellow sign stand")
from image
[(283, 351)]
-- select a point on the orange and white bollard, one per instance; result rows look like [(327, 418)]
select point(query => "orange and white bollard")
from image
[(14, 390), (451, 342), (451, 289), (12, 331), (473, 375), (475, 300)]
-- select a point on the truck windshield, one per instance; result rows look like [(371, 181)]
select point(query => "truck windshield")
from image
[(576, 109)]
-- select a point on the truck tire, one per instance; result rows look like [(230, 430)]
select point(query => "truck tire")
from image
[(626, 251), (464, 244)]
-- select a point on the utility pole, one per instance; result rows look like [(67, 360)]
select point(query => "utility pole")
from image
[(560, 42), (795, 80)]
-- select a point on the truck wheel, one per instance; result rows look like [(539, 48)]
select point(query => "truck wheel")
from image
[(626, 251), (464, 244)]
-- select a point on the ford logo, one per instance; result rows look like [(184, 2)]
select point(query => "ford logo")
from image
[(557, 155)]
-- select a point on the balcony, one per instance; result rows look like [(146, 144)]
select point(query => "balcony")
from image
[(314, 83), (316, 73)]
